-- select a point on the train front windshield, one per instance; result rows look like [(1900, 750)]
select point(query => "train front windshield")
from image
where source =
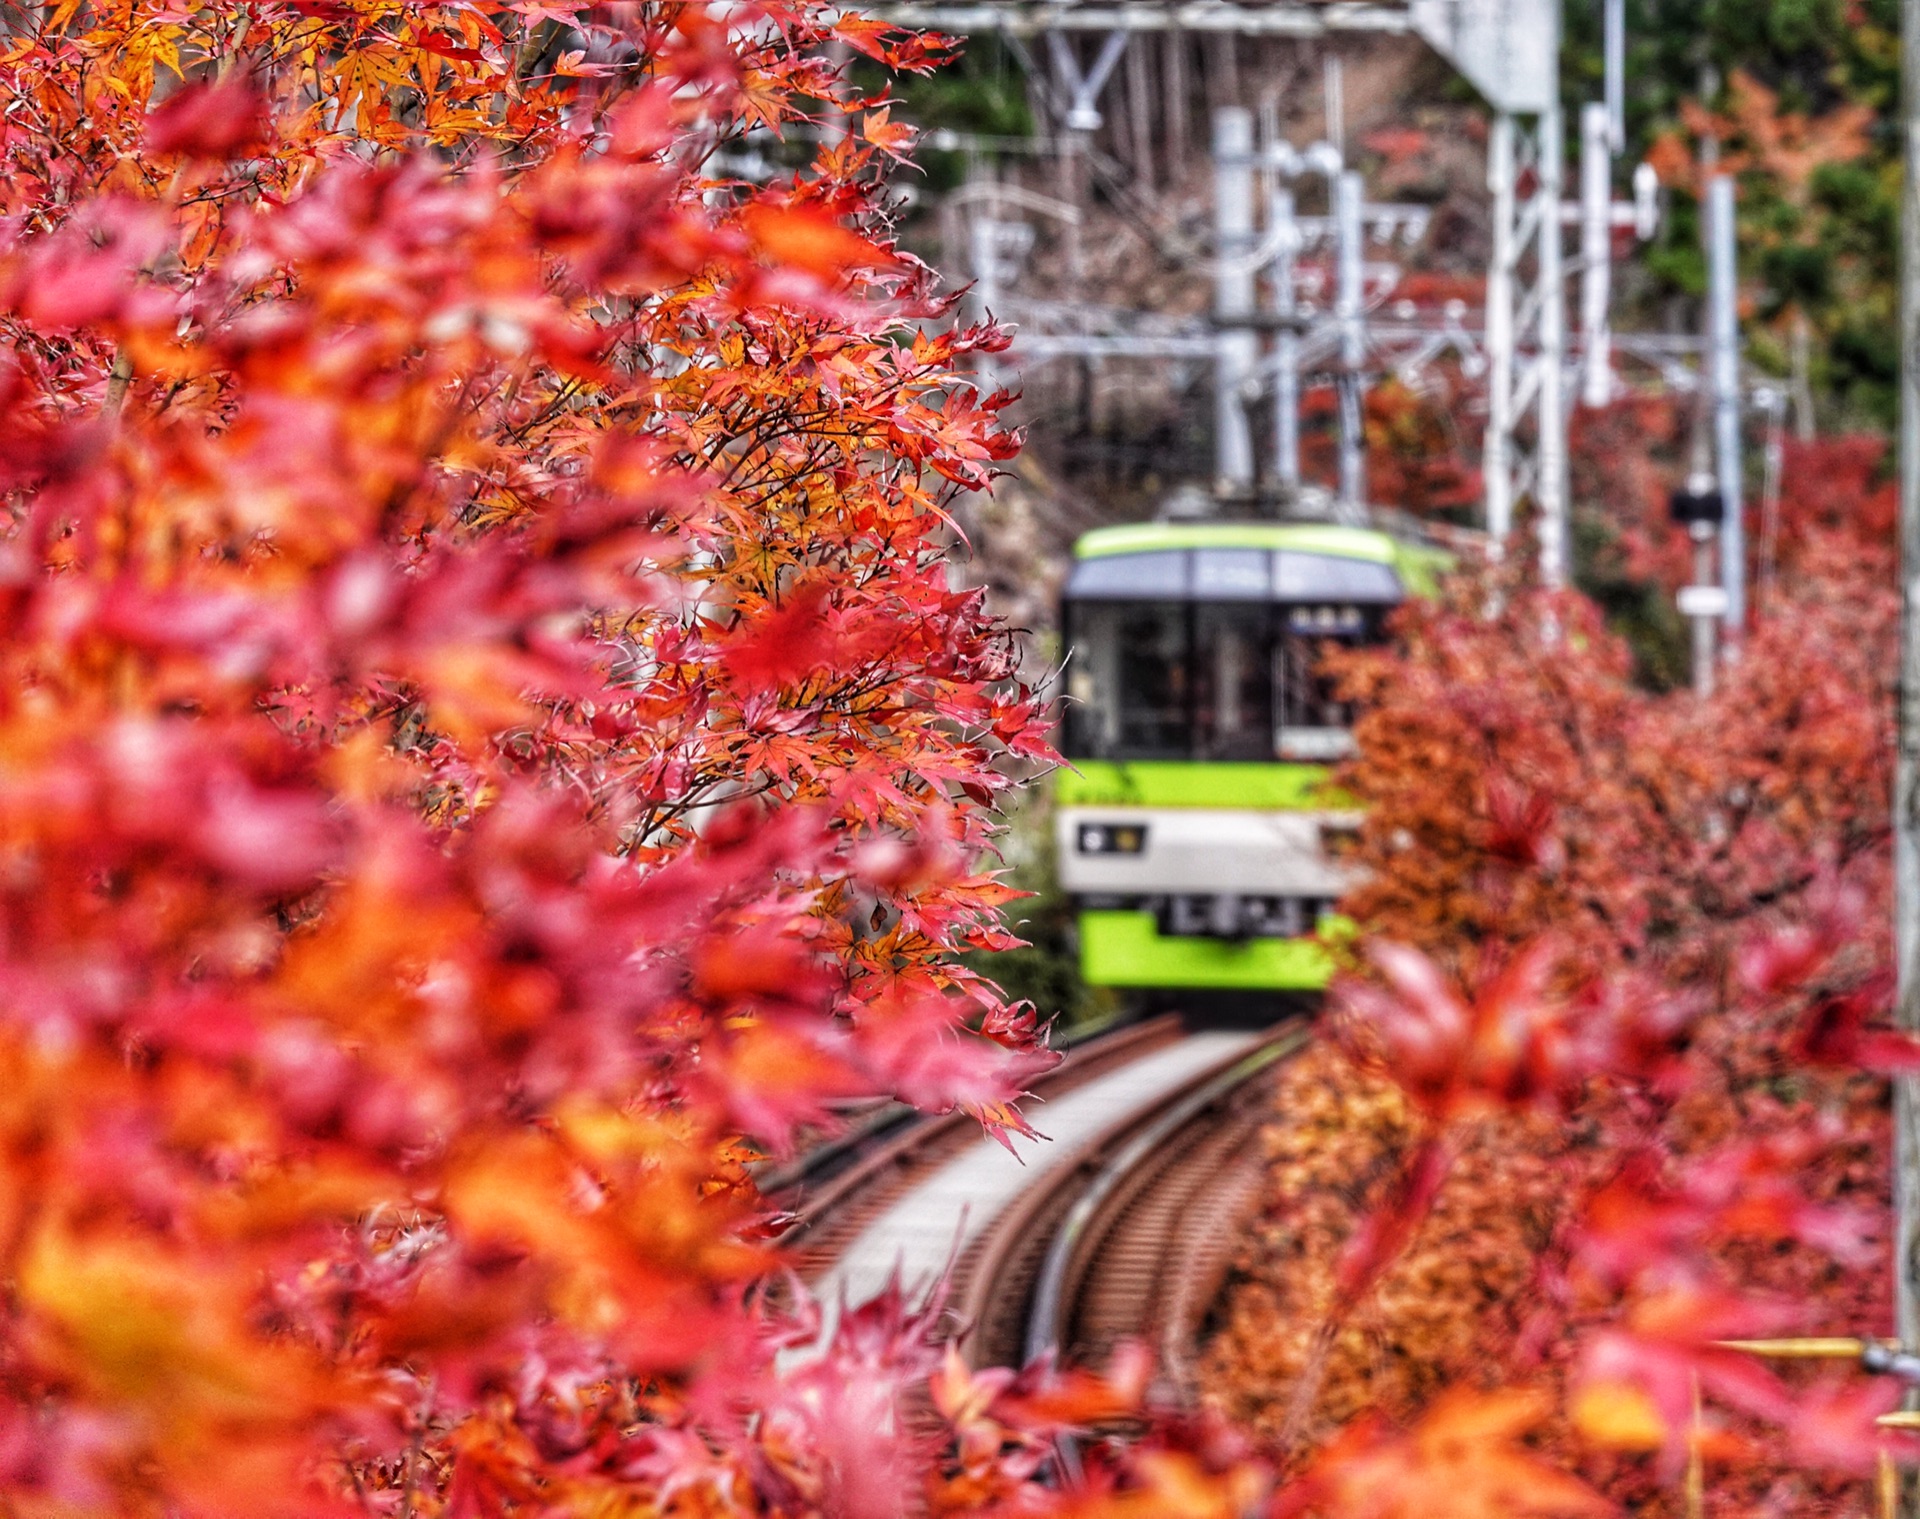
[(1207, 676)]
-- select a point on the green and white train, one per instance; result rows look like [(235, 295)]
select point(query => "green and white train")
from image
[(1194, 825)]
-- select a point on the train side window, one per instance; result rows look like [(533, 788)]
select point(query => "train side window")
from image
[(1129, 681), (1313, 725), (1233, 699)]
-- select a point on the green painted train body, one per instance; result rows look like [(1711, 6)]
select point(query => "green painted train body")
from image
[(1195, 821)]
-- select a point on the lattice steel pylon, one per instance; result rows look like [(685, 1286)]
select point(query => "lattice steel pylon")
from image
[(1525, 451), (1510, 51)]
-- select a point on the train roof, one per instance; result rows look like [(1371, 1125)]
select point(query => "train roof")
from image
[(1250, 561), (1302, 537)]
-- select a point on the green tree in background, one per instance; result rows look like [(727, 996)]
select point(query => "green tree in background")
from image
[(1798, 99)]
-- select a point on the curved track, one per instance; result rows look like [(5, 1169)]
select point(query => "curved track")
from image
[(838, 1193), (1133, 1241), (1121, 1227)]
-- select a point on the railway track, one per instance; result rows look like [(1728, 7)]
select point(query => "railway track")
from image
[(839, 1192), (1133, 1240), (1122, 1227)]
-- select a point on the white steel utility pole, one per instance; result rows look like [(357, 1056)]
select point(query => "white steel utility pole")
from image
[(1599, 216), (1551, 483), (983, 252), (1350, 253), (1906, 799), (1596, 255), (1496, 465), (1286, 340), (1723, 282), (1281, 164), (1236, 345), (1614, 43), (1335, 73)]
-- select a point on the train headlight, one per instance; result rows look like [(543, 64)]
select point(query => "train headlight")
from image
[(1112, 838), (1326, 621)]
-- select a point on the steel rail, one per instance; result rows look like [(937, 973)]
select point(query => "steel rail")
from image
[(838, 1201), (1046, 1318)]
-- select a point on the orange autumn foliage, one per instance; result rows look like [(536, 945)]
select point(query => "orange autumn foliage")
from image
[(1624, 1099), (487, 747)]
